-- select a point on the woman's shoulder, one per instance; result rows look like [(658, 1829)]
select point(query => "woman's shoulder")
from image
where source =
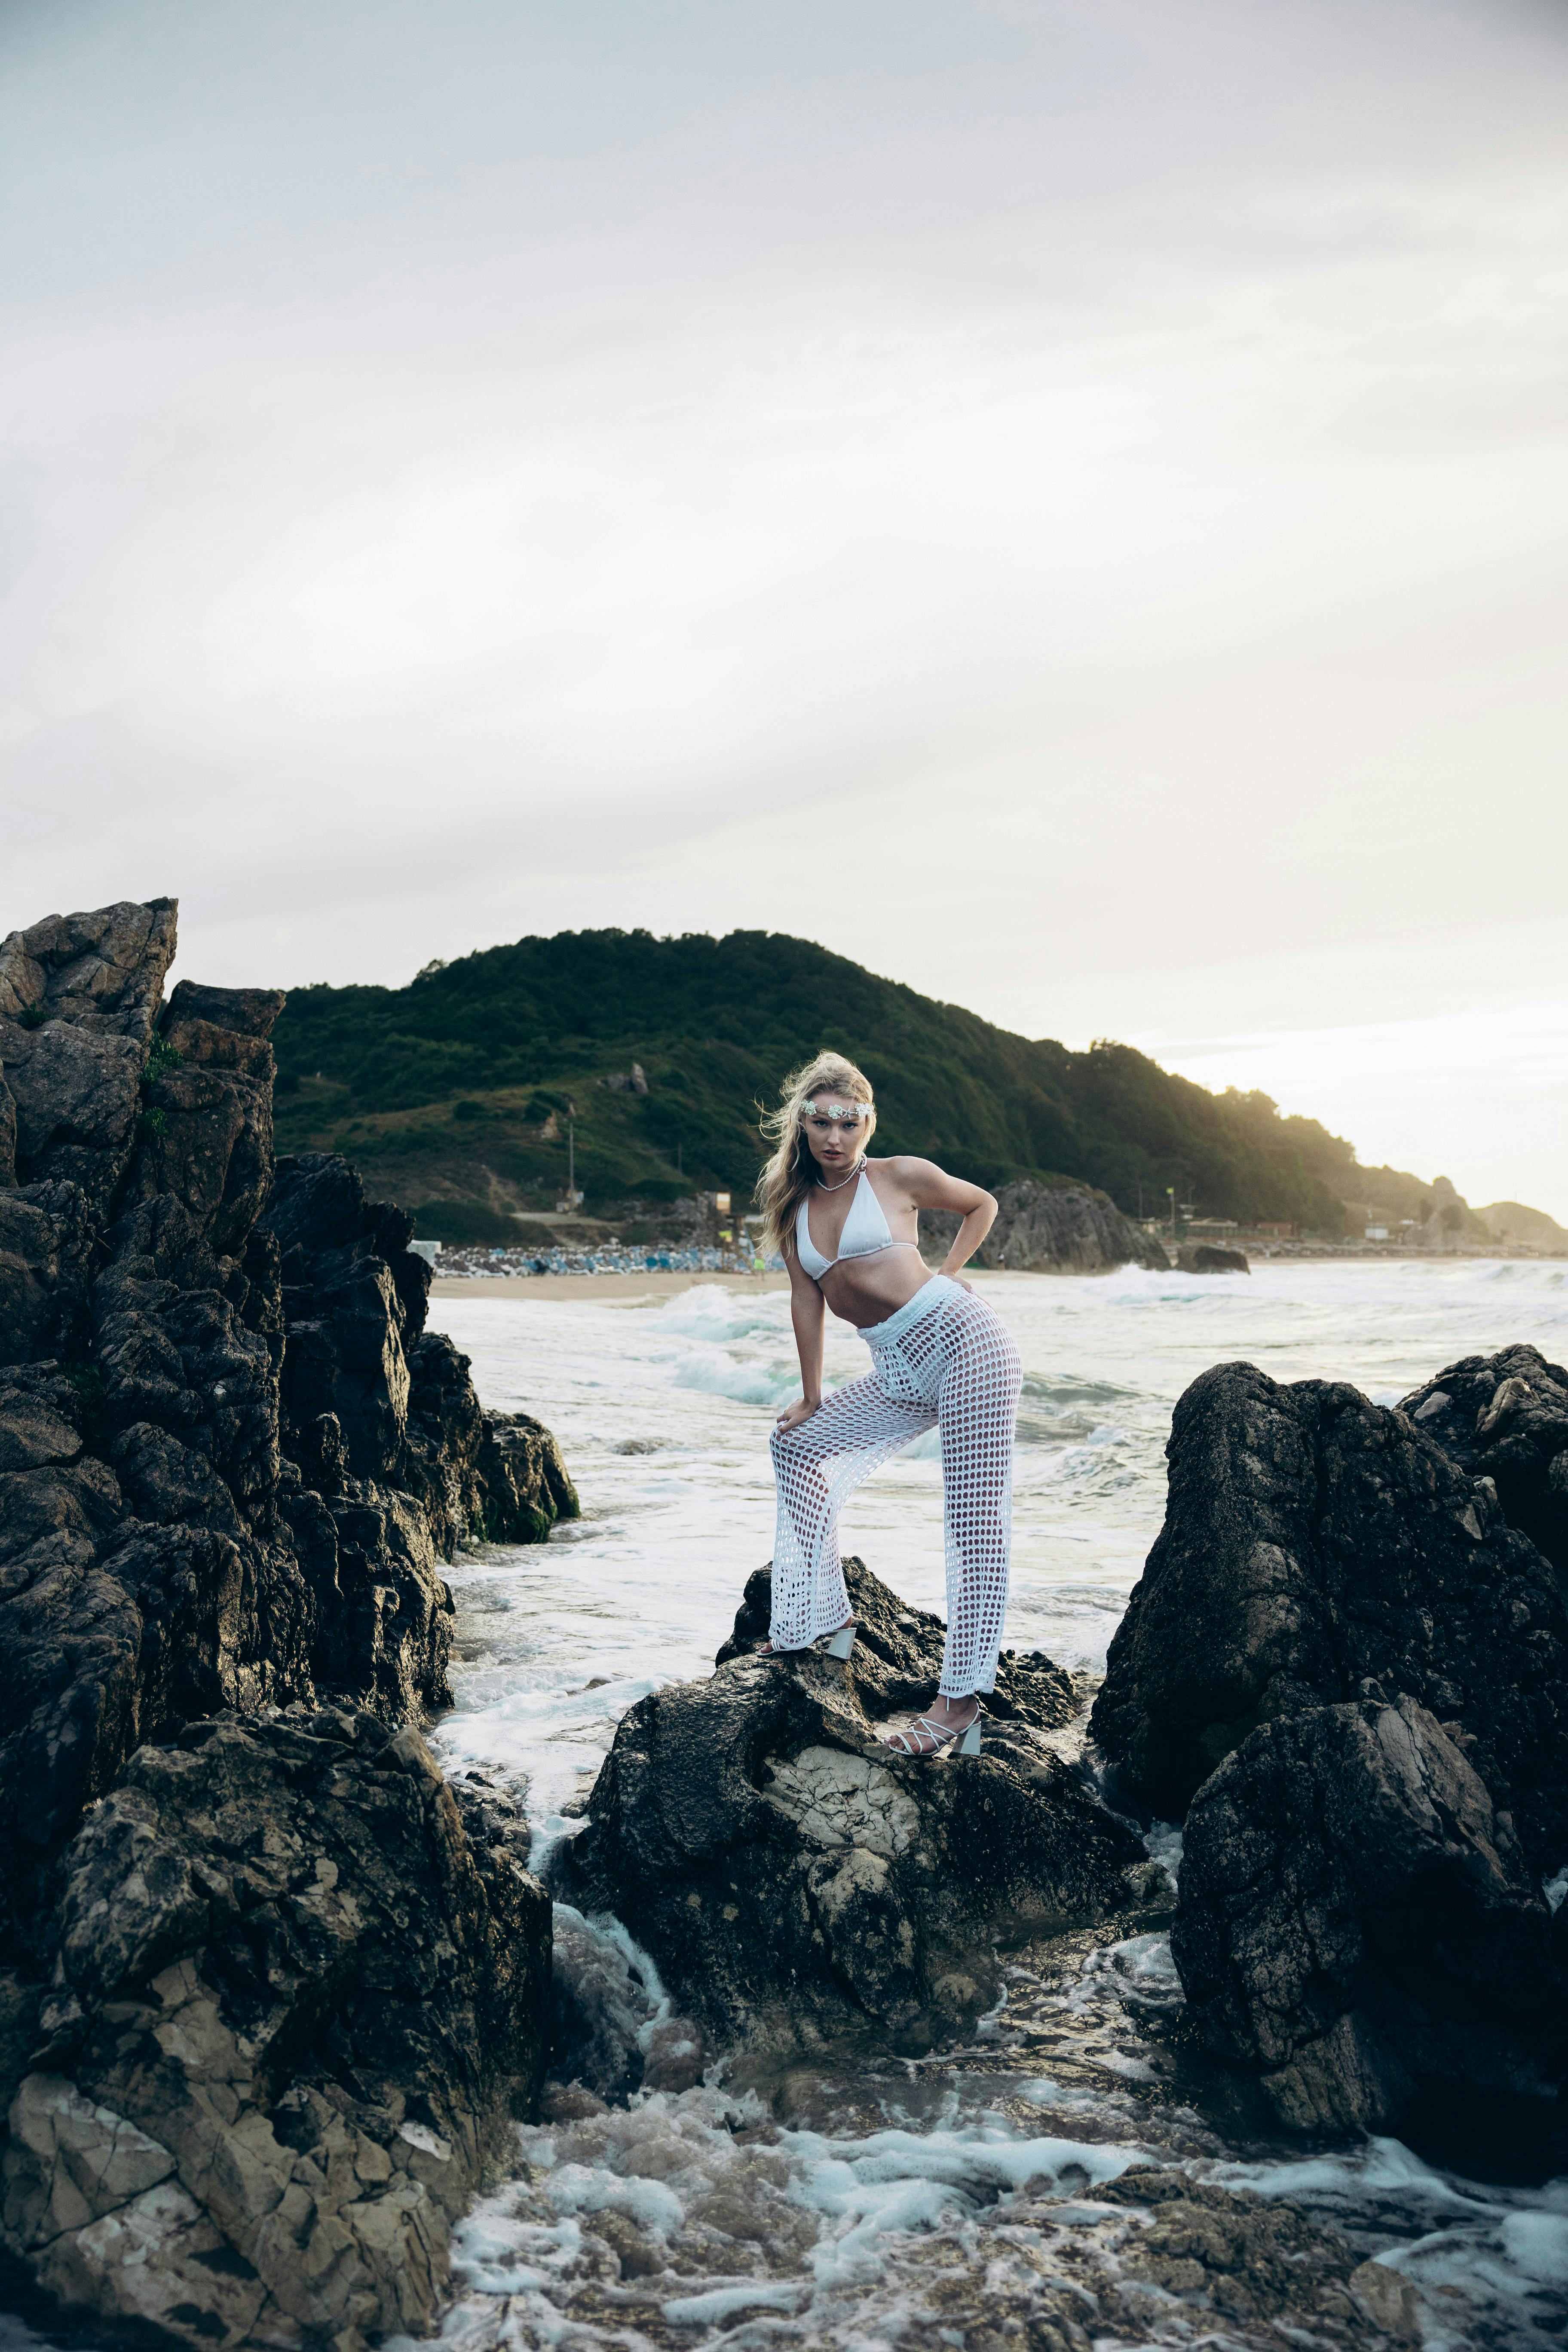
[(902, 1168)]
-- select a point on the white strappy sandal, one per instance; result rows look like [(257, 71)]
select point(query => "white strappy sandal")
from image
[(941, 1736), (830, 1646)]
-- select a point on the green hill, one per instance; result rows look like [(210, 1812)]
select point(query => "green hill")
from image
[(452, 1092)]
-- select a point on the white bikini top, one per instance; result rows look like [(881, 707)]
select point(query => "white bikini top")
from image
[(865, 1231)]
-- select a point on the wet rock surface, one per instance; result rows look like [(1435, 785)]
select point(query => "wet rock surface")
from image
[(1505, 1417), (269, 1991), (1349, 1669), (294, 2011), (1358, 1922), (792, 1879), (1314, 1542)]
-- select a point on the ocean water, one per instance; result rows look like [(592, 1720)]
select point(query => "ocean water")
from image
[(825, 2218), (818, 2223)]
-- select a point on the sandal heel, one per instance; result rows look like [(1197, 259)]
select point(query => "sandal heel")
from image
[(842, 1642), (970, 1743)]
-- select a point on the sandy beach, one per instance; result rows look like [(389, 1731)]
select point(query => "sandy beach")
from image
[(596, 1288)]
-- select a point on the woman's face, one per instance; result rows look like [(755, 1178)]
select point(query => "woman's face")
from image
[(836, 1144)]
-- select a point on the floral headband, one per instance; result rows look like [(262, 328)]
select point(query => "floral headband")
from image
[(851, 1113)]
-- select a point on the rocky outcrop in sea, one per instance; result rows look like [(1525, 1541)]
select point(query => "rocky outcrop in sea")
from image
[(794, 1880), (1052, 1229), (1346, 1669), (271, 1990)]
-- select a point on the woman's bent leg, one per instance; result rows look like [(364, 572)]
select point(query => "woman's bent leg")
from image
[(977, 1407), (819, 1465)]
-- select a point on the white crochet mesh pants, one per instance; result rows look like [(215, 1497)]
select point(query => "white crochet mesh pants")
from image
[(946, 1359)]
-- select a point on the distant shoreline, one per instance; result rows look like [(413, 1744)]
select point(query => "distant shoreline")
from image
[(657, 1283)]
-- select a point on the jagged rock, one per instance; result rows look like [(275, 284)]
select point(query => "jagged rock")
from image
[(40, 1417), (1505, 1417), (389, 1635), (442, 1438), (1313, 1542), (1052, 1229), (174, 1350), (898, 1653), (113, 1629), (792, 1880), (162, 1559), (207, 1140), (498, 1475), (70, 1641), (355, 1299), (523, 1485), (1358, 1921), (45, 1247), (296, 2008), (77, 998), (1208, 1257)]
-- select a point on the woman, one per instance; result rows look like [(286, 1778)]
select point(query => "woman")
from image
[(845, 1227)]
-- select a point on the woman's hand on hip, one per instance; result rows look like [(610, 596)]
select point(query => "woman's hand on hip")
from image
[(794, 1414)]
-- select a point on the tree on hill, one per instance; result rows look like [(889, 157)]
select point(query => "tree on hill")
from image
[(462, 1070)]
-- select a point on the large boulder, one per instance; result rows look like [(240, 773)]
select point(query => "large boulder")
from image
[(1315, 1542), (1210, 1258), (794, 1880), (1052, 1229), (1349, 1672), (497, 1475), (1359, 1924), (297, 2007)]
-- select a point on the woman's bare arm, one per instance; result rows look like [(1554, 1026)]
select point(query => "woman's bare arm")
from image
[(808, 1314), (931, 1187)]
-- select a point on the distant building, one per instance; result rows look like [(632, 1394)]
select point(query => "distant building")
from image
[(1377, 1233), (1278, 1231)]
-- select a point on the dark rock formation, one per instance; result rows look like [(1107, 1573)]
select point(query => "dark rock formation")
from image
[(1339, 1616), (1505, 1417), (898, 1653), (295, 2007), (1358, 1921), (1052, 1229), (498, 1475), (1313, 1542), (522, 1483), (273, 2000), (368, 1392), (1208, 1257), (354, 1299), (78, 994), (791, 1879)]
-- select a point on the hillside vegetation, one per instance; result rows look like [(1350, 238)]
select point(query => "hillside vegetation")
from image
[(453, 1092)]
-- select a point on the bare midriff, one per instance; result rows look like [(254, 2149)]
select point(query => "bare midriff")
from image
[(866, 1290)]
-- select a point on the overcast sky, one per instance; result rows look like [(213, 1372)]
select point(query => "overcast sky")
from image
[(1064, 503)]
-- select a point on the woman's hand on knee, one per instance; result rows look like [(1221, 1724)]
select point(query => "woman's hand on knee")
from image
[(794, 1414)]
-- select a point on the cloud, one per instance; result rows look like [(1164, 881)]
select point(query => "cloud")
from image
[(1061, 503)]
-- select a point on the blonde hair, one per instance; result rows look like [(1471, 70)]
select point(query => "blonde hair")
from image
[(790, 1175)]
